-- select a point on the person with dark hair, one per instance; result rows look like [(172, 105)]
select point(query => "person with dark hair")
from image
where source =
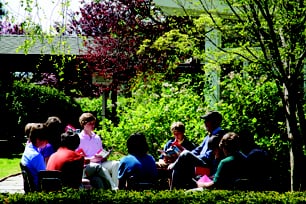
[(55, 128), (202, 156), (66, 160), (231, 167), (31, 158), (138, 165), (258, 163)]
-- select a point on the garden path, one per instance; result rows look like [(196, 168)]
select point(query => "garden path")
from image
[(12, 184)]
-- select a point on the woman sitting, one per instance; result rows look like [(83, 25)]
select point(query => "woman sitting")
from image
[(138, 167), (66, 160)]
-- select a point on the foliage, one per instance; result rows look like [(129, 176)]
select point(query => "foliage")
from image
[(114, 31), (268, 37), (9, 28), (34, 103), (151, 110), (174, 196)]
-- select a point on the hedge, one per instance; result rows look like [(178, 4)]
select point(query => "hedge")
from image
[(159, 197)]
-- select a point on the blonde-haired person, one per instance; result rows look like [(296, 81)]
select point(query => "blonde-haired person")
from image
[(27, 130), (90, 146), (179, 139)]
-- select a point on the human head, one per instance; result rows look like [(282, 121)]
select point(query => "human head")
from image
[(70, 139), (177, 126), (178, 130), (213, 144), (137, 144), (28, 128), (38, 134), (230, 143), (86, 118), (55, 128), (247, 141), (212, 120)]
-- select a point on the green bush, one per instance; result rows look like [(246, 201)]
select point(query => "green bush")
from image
[(153, 114), (253, 105), (246, 104), (165, 197), (35, 103)]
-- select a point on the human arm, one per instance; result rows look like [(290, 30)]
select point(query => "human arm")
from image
[(123, 173), (199, 148), (208, 184)]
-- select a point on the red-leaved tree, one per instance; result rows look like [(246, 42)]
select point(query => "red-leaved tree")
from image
[(114, 31)]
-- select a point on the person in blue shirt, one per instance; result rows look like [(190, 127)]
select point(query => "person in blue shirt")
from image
[(184, 167), (138, 165), (31, 156)]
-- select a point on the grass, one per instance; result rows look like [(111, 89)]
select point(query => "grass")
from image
[(9, 166)]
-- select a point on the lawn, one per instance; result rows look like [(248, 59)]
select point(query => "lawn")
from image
[(9, 166)]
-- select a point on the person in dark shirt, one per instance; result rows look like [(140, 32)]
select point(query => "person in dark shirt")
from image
[(258, 162), (178, 143)]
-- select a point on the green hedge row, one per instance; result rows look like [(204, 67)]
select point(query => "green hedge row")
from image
[(159, 197)]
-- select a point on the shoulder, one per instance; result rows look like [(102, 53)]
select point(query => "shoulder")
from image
[(96, 136), (150, 157), (188, 144), (227, 159), (257, 153), (170, 141), (220, 132), (127, 158)]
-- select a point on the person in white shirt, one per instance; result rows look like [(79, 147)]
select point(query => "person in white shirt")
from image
[(91, 147)]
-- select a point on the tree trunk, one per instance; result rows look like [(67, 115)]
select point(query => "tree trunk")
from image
[(295, 138), (114, 107)]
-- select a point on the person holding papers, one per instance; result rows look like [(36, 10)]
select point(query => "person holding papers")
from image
[(91, 147)]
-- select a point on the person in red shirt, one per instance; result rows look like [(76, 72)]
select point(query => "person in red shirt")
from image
[(66, 160)]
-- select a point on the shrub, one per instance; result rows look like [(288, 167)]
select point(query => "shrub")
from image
[(165, 197), (153, 114), (34, 103)]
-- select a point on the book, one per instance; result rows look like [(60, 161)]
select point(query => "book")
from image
[(104, 153), (172, 151), (100, 156)]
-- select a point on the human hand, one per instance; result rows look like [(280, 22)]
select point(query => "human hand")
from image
[(171, 166), (86, 161)]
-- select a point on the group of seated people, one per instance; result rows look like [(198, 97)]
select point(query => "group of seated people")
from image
[(217, 162), (221, 160)]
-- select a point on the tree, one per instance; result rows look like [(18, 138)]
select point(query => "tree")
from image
[(2, 10), (270, 37), (114, 30)]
